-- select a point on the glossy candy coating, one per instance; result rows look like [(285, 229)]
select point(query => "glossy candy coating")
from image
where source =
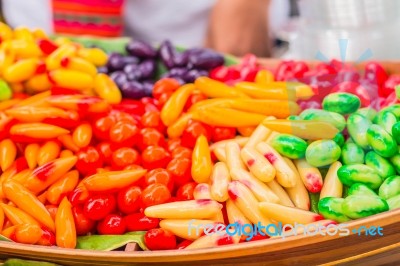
[(357, 126), (357, 206), (359, 173), (390, 187), (331, 208), (333, 118), (380, 164), (322, 152), (352, 154), (381, 141), (290, 146), (342, 103)]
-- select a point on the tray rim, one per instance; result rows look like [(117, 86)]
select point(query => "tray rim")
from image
[(223, 252)]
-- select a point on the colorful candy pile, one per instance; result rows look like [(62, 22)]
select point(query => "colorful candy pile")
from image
[(135, 73), (32, 63), (83, 166), (267, 177)]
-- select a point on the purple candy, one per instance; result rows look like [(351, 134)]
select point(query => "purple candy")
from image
[(167, 54), (130, 60), (147, 68), (193, 74), (133, 90), (102, 69), (115, 62), (148, 87), (140, 49), (181, 59), (206, 60), (119, 78)]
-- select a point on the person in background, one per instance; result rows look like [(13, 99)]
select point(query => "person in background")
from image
[(231, 26)]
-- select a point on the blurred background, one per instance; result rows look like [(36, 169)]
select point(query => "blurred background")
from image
[(296, 29)]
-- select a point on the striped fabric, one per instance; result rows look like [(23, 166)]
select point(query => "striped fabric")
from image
[(88, 17)]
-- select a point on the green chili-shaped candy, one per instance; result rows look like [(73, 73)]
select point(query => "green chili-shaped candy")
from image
[(110, 242), (293, 117), (358, 206), (380, 164), (352, 154), (390, 187), (339, 139), (395, 109), (331, 208), (386, 120), (394, 203), (368, 112), (290, 146), (395, 160), (381, 141), (361, 189), (396, 132), (314, 199), (322, 152), (357, 125), (359, 173), (341, 102), (335, 119), (5, 91)]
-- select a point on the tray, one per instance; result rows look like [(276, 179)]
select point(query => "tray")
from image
[(295, 250)]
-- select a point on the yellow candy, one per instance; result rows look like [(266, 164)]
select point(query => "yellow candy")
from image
[(106, 88), (201, 161), (21, 70)]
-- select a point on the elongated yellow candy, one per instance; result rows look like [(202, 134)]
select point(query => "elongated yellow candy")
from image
[(260, 134), (247, 203), (216, 89), (284, 174), (233, 160), (288, 215), (310, 175), (332, 186), (256, 91), (220, 154), (260, 190), (234, 214), (201, 161), (220, 179), (305, 129), (173, 108), (202, 191), (80, 64), (53, 61), (94, 55), (214, 240), (277, 108), (21, 71), (271, 137), (218, 102), (241, 141), (176, 129), (227, 117), (191, 209), (258, 165), (298, 194), (186, 228), (284, 198)]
